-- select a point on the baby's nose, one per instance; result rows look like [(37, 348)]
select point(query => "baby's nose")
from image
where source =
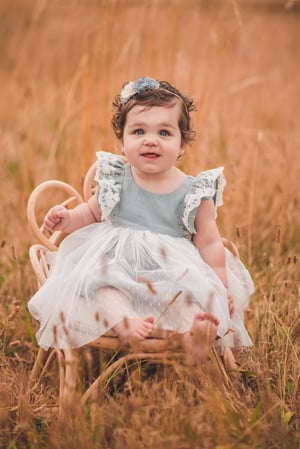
[(150, 140)]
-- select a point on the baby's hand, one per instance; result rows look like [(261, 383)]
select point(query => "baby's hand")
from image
[(57, 219), (230, 303)]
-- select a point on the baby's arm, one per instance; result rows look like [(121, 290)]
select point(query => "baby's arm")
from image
[(209, 243), (68, 220)]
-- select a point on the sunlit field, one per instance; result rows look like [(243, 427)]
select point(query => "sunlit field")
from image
[(61, 64)]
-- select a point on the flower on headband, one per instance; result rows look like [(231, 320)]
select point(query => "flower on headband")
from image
[(136, 87)]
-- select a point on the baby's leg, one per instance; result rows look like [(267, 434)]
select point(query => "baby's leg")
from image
[(116, 305), (199, 339)]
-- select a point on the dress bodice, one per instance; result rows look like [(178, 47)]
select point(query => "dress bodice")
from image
[(142, 209), (124, 203)]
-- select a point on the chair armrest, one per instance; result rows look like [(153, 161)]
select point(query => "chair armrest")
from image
[(40, 233)]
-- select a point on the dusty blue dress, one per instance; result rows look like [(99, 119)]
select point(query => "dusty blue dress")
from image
[(143, 248)]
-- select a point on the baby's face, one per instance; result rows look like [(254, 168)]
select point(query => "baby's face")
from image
[(152, 138)]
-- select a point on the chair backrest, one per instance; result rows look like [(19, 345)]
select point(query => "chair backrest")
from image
[(89, 185), (44, 196)]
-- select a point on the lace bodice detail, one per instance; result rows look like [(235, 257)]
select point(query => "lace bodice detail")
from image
[(208, 184), (110, 172)]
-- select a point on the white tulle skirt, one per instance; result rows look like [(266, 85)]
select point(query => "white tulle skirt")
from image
[(147, 274)]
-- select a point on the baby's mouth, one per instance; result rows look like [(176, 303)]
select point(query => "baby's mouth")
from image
[(150, 155)]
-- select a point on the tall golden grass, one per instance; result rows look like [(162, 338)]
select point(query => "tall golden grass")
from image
[(61, 65)]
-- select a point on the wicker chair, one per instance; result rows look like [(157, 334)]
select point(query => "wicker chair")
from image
[(160, 345)]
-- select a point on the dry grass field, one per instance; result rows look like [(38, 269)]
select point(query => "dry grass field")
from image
[(61, 64)]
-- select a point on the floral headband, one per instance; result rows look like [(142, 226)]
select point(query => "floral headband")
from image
[(136, 87)]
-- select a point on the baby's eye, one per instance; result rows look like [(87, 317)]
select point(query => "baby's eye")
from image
[(139, 131), (164, 132)]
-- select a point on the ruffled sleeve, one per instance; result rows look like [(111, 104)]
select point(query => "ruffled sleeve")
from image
[(208, 184), (109, 174)]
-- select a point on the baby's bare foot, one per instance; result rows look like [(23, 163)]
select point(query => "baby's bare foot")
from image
[(133, 330), (199, 339)]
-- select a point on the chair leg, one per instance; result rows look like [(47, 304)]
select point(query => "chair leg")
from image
[(67, 379)]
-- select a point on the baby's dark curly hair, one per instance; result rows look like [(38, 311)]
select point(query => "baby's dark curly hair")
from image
[(165, 95)]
